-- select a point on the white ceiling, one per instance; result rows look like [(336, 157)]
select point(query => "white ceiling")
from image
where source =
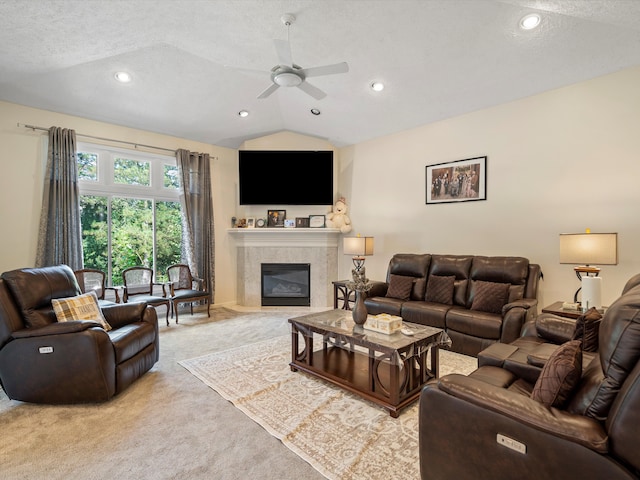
[(196, 63)]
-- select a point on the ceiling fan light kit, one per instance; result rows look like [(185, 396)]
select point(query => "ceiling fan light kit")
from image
[(286, 78)]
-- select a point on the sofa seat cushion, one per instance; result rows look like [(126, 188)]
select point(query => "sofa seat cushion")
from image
[(475, 323), (130, 339), (496, 354), (425, 313), (377, 305)]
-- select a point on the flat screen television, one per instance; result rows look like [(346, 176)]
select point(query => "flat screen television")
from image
[(286, 177)]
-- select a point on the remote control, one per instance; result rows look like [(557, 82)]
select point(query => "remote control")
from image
[(406, 331)]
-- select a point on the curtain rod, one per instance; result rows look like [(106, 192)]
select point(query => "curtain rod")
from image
[(135, 145)]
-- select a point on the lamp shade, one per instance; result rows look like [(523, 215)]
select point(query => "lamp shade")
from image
[(589, 248), (358, 246)]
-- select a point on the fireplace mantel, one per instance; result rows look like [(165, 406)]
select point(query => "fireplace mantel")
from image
[(285, 237), (316, 246)]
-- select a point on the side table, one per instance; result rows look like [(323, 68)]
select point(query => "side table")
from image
[(556, 309), (342, 293)]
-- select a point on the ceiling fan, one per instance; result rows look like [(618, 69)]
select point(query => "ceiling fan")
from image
[(288, 74)]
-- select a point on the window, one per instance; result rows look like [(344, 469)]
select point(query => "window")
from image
[(130, 210)]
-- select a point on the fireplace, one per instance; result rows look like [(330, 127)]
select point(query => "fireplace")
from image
[(285, 284)]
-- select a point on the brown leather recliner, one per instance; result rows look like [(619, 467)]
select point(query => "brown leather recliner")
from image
[(487, 421), (44, 361)]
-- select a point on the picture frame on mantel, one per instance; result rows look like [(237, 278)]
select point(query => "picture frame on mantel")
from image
[(316, 221), (457, 181), (302, 222), (276, 218)]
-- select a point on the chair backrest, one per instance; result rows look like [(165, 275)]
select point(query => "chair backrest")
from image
[(180, 276), (610, 386), (138, 281), (90, 279), (33, 288)]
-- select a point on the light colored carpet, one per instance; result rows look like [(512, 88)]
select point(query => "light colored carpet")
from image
[(167, 425), (340, 434)]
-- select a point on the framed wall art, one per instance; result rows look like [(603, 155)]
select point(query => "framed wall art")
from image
[(276, 218), (457, 181)]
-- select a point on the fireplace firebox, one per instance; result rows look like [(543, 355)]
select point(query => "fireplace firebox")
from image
[(285, 284)]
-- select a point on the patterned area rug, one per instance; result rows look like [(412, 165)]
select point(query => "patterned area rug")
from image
[(338, 433)]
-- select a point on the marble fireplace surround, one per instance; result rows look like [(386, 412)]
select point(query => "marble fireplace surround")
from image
[(316, 246)]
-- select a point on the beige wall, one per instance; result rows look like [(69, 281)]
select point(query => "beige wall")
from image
[(22, 163), (558, 162)]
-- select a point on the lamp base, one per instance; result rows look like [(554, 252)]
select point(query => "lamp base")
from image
[(584, 271)]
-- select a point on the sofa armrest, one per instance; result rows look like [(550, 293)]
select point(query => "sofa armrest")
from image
[(121, 314), (514, 316), (378, 289), (555, 328), (59, 328), (579, 429)]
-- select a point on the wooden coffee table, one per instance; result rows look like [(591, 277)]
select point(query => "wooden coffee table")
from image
[(389, 370)]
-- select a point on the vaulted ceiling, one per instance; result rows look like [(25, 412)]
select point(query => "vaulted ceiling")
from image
[(195, 64)]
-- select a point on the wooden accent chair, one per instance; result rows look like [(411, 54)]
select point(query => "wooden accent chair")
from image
[(138, 287), (96, 280), (186, 288)]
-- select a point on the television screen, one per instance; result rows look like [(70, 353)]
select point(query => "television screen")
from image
[(286, 177)]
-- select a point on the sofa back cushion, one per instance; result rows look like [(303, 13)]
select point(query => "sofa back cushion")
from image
[(34, 288), (411, 265), (511, 270), (458, 266), (618, 355)]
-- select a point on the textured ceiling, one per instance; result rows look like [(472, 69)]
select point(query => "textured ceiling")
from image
[(196, 63)]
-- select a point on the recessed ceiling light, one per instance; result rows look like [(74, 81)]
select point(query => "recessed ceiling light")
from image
[(123, 77), (529, 22), (243, 113), (315, 111), (377, 86)]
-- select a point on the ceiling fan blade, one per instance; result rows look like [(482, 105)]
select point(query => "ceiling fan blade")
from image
[(315, 92), (326, 70), (283, 49), (269, 90)]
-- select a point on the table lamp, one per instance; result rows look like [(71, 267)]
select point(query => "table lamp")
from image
[(359, 247), (586, 250)]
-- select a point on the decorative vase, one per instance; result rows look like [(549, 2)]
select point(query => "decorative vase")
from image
[(359, 311)]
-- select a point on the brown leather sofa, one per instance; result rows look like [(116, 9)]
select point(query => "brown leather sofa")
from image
[(471, 328), (45, 361), (488, 421)]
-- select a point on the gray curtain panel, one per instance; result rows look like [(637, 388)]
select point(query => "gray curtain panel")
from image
[(197, 222), (60, 234)]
